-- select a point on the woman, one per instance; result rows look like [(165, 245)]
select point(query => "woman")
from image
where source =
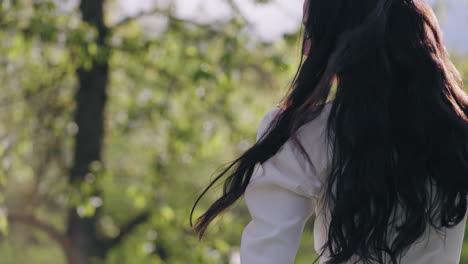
[(384, 166)]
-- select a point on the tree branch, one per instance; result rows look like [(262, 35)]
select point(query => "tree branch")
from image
[(127, 229), (51, 231)]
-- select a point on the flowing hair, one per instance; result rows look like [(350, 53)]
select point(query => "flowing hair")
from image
[(398, 125)]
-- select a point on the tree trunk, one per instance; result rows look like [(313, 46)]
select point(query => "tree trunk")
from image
[(90, 101)]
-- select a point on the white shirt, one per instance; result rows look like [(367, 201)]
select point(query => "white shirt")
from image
[(285, 191)]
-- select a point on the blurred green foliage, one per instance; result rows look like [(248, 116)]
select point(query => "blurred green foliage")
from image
[(183, 100)]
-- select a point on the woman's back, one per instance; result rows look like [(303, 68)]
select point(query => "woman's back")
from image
[(288, 173)]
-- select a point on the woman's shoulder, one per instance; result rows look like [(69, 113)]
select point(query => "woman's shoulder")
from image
[(265, 121), (312, 136), (312, 130), (317, 125)]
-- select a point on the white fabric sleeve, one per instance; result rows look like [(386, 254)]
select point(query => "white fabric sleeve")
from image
[(280, 200)]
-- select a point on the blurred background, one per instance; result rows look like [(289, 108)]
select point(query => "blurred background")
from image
[(115, 114)]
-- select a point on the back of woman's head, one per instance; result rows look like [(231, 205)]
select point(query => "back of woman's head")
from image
[(398, 127)]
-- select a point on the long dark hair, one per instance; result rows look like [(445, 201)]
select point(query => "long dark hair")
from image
[(398, 124)]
